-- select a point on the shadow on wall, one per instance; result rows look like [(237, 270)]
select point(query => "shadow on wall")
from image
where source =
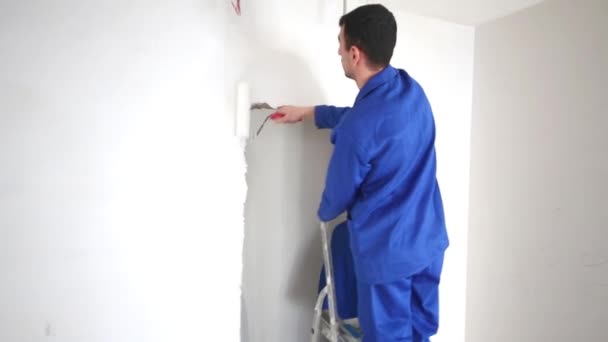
[(286, 166)]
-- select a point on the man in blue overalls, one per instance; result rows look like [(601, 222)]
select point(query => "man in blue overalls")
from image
[(383, 174)]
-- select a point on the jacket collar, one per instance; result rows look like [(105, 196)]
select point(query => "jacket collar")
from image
[(378, 79)]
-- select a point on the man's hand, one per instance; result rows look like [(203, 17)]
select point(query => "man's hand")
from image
[(293, 114)]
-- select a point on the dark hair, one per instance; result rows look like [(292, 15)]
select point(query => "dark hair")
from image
[(373, 29)]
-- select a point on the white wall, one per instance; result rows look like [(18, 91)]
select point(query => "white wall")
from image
[(288, 54), (121, 187), (537, 253), (466, 12)]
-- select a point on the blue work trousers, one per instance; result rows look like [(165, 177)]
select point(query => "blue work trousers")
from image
[(403, 310)]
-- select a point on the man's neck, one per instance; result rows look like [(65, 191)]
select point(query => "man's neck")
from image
[(366, 75)]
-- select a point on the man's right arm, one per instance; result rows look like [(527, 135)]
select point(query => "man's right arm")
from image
[(329, 116), (324, 116)]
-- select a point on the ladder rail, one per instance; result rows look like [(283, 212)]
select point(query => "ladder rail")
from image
[(329, 271)]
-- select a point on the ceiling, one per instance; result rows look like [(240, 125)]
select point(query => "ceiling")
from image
[(467, 12)]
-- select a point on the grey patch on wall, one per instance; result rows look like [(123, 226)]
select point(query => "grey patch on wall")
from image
[(285, 174), (286, 167), (244, 322)]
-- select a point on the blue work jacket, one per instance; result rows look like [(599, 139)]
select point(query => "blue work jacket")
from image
[(383, 173)]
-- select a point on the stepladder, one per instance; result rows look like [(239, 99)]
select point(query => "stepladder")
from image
[(327, 325)]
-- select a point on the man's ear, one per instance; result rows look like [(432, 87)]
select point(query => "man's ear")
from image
[(355, 54)]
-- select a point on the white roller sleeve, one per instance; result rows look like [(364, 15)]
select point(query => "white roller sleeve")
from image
[(243, 111)]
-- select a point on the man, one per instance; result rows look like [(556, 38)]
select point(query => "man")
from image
[(383, 174)]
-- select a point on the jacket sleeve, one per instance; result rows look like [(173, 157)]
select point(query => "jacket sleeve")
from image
[(329, 116), (346, 172)]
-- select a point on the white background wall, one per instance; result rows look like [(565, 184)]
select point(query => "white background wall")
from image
[(538, 266), (121, 187), (298, 64)]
